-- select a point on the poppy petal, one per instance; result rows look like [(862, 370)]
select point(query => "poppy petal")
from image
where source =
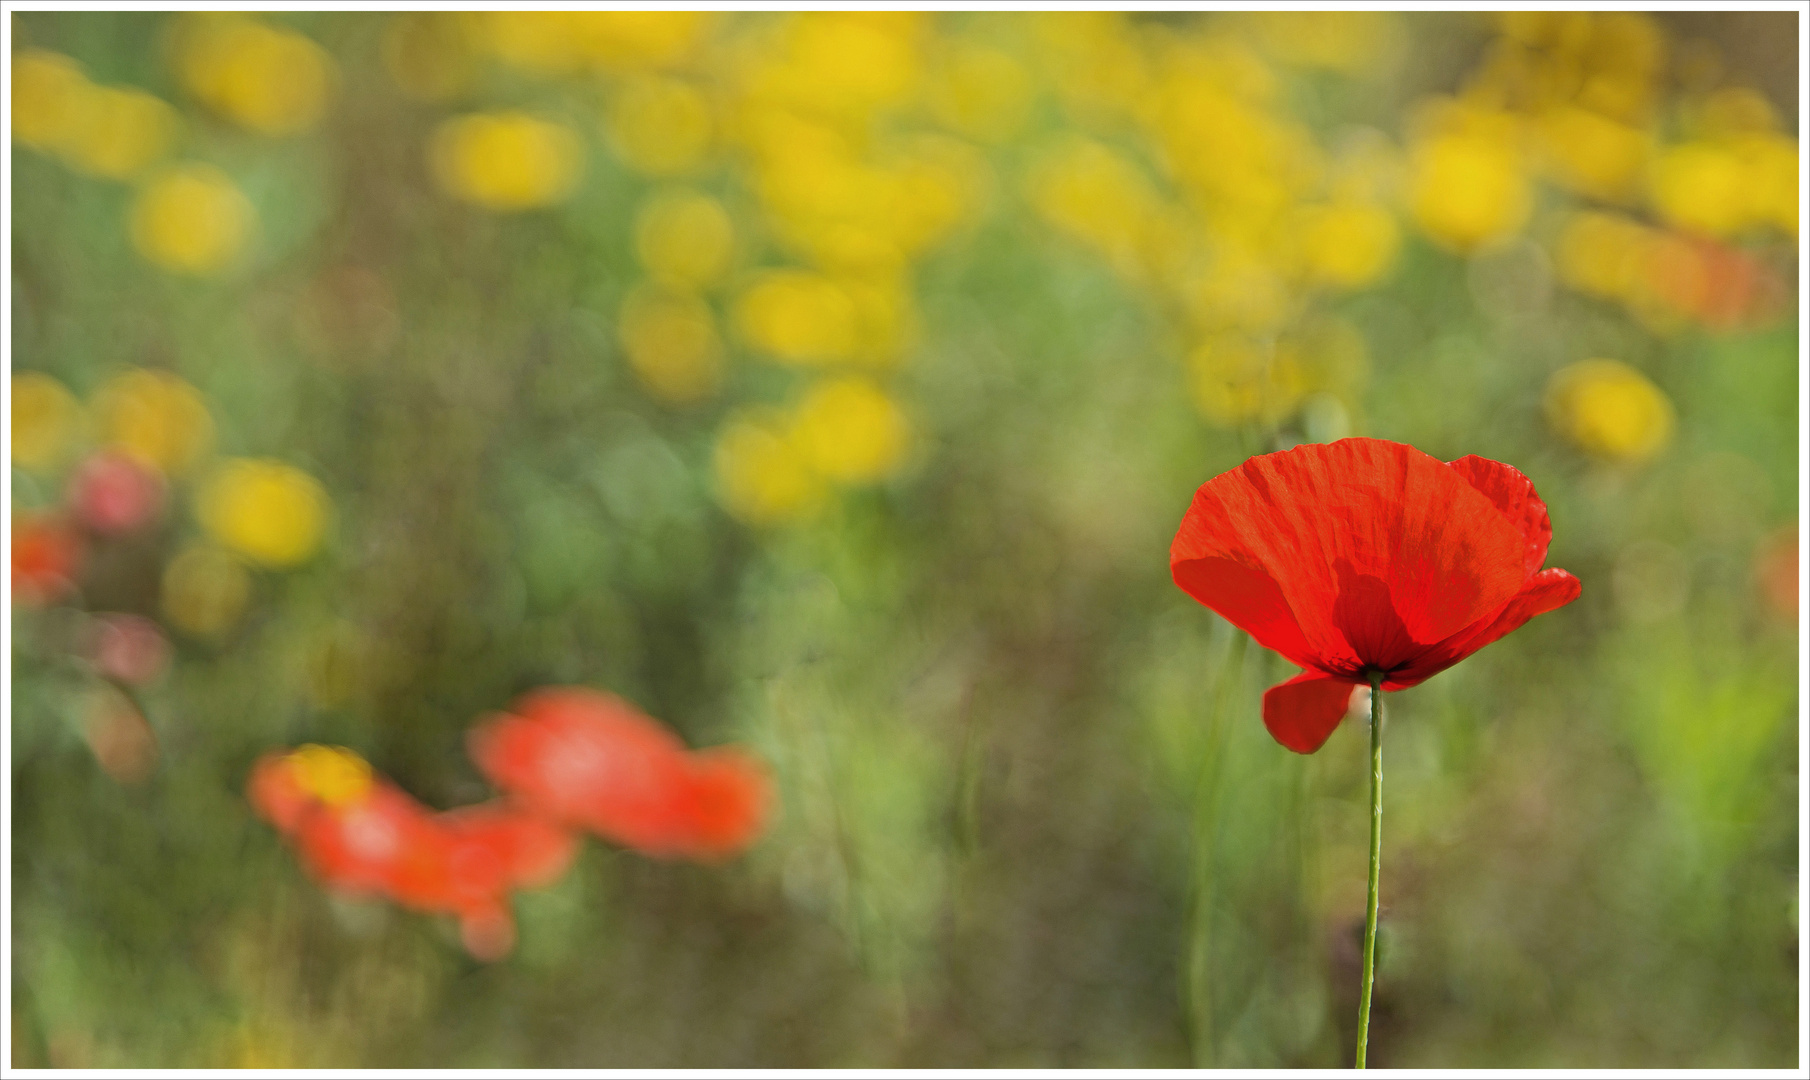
[(1378, 550), (1546, 591), (1302, 712), (1248, 599), (1513, 493)]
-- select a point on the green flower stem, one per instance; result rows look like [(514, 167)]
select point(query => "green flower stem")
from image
[(1376, 859)]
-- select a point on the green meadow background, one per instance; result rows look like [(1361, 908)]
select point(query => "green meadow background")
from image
[(865, 452)]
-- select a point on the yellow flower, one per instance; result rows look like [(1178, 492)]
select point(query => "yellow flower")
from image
[(1772, 164), (561, 42), (265, 78), (660, 126), (671, 343), (1090, 191), (685, 239), (850, 431), (506, 161), (1468, 189), (431, 54), (205, 591), (1347, 244), (332, 774), (272, 513), (46, 418), (854, 63), (640, 40), (763, 476), (45, 87), (798, 317), (156, 417), (191, 219), (1610, 410), (1591, 154), (118, 132), (1702, 187), (981, 92)]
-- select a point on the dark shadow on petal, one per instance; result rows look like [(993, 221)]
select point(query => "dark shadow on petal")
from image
[(1365, 613)]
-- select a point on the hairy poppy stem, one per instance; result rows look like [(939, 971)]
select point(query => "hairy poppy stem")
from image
[(1376, 859)]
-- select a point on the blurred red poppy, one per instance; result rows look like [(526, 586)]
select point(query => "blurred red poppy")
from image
[(362, 835), (46, 554), (1365, 555), (594, 761)]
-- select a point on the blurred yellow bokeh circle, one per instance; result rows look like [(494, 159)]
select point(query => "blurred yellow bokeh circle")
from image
[(268, 79), (685, 239), (154, 416), (45, 87), (1348, 244), (506, 161), (660, 126), (672, 344), (1701, 187), (1468, 189), (850, 430), (763, 476), (267, 511), (46, 420), (1609, 409), (205, 590), (117, 132), (191, 219), (798, 317)]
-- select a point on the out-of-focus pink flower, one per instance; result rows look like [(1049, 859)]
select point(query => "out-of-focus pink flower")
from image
[(46, 555), (129, 648), (594, 761), (115, 493)]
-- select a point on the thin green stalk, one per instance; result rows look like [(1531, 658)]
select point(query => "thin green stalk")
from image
[(1376, 858)]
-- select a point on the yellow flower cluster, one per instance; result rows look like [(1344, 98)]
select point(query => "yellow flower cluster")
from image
[(506, 161), (1574, 98), (1243, 222), (1610, 410), (775, 466), (1736, 174), (187, 218), (115, 132), (264, 78)]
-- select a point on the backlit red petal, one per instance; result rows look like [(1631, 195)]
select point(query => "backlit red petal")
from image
[(1302, 712), (1513, 494), (1545, 591)]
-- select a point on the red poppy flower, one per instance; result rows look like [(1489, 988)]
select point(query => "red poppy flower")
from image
[(594, 761), (1365, 555), (362, 835)]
